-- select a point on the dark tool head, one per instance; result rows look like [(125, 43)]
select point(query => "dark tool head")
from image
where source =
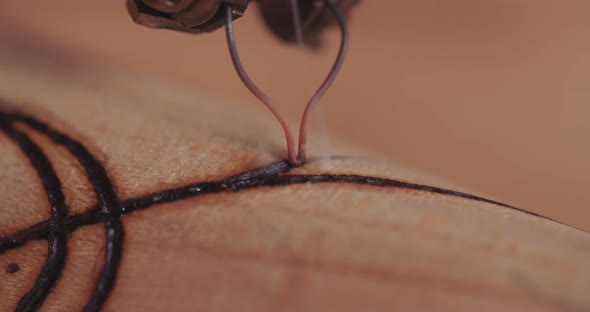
[(314, 14), (193, 16)]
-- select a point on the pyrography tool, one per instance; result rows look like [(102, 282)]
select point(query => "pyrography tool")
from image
[(294, 21)]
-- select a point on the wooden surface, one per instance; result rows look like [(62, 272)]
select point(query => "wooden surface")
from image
[(320, 247), (489, 94)]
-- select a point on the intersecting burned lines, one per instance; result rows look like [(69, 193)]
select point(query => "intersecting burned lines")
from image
[(110, 208)]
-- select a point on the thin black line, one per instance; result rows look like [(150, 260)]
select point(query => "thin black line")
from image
[(57, 233), (109, 208), (107, 202), (234, 184)]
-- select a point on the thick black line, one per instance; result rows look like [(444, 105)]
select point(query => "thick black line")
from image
[(108, 204), (56, 229), (234, 184), (109, 208)]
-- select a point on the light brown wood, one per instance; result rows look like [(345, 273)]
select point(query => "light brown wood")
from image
[(329, 247), (490, 94)]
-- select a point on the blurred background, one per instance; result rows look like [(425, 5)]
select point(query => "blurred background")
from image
[(493, 95)]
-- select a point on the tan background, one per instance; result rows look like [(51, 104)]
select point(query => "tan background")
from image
[(490, 94)]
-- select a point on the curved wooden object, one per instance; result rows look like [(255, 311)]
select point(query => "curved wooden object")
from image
[(303, 247)]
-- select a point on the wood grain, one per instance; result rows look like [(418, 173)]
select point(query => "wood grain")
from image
[(490, 94), (310, 247)]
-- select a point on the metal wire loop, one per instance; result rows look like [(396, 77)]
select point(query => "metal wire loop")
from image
[(295, 158)]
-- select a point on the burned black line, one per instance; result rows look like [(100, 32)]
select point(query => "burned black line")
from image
[(107, 202), (93, 216), (56, 229), (109, 208)]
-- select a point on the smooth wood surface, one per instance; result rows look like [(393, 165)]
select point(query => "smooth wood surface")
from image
[(490, 94), (328, 247)]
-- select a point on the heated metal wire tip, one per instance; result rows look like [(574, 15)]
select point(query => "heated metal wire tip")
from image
[(295, 157)]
